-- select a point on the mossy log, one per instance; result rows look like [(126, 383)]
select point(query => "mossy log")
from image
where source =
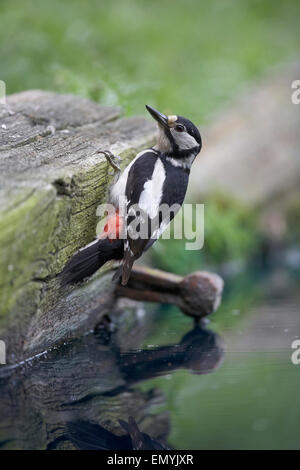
[(51, 183)]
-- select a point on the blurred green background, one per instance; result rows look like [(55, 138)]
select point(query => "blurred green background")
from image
[(192, 58), (187, 57)]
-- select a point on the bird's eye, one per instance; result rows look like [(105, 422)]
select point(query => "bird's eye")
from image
[(179, 128)]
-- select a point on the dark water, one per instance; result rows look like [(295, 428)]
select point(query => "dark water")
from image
[(228, 384)]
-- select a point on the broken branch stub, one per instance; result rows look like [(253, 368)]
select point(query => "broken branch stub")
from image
[(198, 294)]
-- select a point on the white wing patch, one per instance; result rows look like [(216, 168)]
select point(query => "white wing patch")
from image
[(152, 193), (118, 189)]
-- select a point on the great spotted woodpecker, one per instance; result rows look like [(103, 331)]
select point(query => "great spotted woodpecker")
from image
[(157, 177)]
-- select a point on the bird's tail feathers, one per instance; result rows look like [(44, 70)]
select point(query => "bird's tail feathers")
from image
[(89, 436), (89, 259)]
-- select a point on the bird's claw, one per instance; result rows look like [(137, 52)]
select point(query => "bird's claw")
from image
[(112, 159)]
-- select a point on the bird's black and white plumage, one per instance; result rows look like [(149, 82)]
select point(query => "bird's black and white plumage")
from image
[(155, 180)]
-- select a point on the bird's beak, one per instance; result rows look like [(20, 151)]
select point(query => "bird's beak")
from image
[(159, 117)]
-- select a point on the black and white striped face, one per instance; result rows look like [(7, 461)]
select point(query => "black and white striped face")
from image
[(177, 136)]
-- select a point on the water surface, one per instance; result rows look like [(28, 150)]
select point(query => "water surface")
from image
[(227, 384)]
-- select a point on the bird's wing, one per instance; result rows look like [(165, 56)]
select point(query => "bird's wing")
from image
[(143, 194), (150, 185)]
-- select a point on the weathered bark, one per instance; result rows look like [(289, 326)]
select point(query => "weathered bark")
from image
[(50, 186)]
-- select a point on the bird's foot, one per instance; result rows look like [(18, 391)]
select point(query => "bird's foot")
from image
[(112, 160)]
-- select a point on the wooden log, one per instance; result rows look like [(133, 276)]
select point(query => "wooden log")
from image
[(51, 182)]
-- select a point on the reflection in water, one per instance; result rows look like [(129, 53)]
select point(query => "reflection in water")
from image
[(199, 351), (77, 395), (88, 436)]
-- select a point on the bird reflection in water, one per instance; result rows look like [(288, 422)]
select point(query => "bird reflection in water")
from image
[(199, 351), (81, 395), (89, 436)]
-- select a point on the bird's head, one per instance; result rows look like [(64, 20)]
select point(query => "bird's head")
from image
[(177, 135)]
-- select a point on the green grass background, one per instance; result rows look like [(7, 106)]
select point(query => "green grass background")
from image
[(184, 56)]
